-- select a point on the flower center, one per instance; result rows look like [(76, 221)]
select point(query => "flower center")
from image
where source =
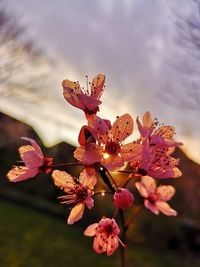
[(152, 198), (112, 148), (81, 194), (109, 229), (46, 167)]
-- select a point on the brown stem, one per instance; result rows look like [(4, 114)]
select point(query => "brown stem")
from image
[(110, 176), (132, 217), (128, 180), (66, 164), (123, 238), (125, 171)]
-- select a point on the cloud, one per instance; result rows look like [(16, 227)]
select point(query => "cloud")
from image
[(130, 41)]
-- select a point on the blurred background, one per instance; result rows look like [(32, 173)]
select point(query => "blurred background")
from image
[(150, 54)]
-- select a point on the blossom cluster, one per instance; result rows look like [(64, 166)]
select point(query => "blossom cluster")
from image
[(103, 149)]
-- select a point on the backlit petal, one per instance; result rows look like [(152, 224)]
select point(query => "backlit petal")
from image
[(90, 153), (149, 183), (131, 152), (99, 245), (72, 92), (89, 202), (21, 173), (76, 213), (31, 158), (152, 207), (112, 162), (35, 146), (122, 128), (87, 180), (86, 135), (165, 208), (142, 189), (113, 243), (165, 131), (166, 192), (63, 180), (89, 102), (91, 229), (147, 120), (97, 86)]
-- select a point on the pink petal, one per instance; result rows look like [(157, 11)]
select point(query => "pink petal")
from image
[(176, 173), (147, 127), (165, 131), (102, 126), (147, 120), (131, 152), (158, 140), (99, 244), (86, 135), (35, 146), (122, 128), (91, 230), (24, 149), (112, 162), (72, 92), (149, 183), (141, 129), (165, 208), (89, 102), (113, 243), (76, 213), (63, 180), (165, 192), (97, 86), (167, 173), (18, 174), (31, 158), (151, 206), (142, 189), (89, 154), (146, 156), (89, 202), (87, 180)]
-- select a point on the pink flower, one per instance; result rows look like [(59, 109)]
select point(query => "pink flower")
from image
[(78, 192), (105, 236), (155, 198), (107, 146), (157, 162), (157, 146), (123, 198), (86, 100), (33, 160), (162, 135)]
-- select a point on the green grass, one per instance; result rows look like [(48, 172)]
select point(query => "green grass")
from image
[(31, 239)]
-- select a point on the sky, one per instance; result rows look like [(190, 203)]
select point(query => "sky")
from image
[(136, 44)]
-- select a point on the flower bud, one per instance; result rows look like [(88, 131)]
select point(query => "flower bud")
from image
[(123, 198)]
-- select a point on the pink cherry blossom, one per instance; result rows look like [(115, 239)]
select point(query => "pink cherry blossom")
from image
[(81, 98), (156, 135), (157, 162), (34, 162), (123, 198), (78, 191), (157, 147), (105, 236), (155, 198), (108, 146)]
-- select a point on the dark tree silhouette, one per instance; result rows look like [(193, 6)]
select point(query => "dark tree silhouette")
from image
[(183, 61), (24, 69)]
